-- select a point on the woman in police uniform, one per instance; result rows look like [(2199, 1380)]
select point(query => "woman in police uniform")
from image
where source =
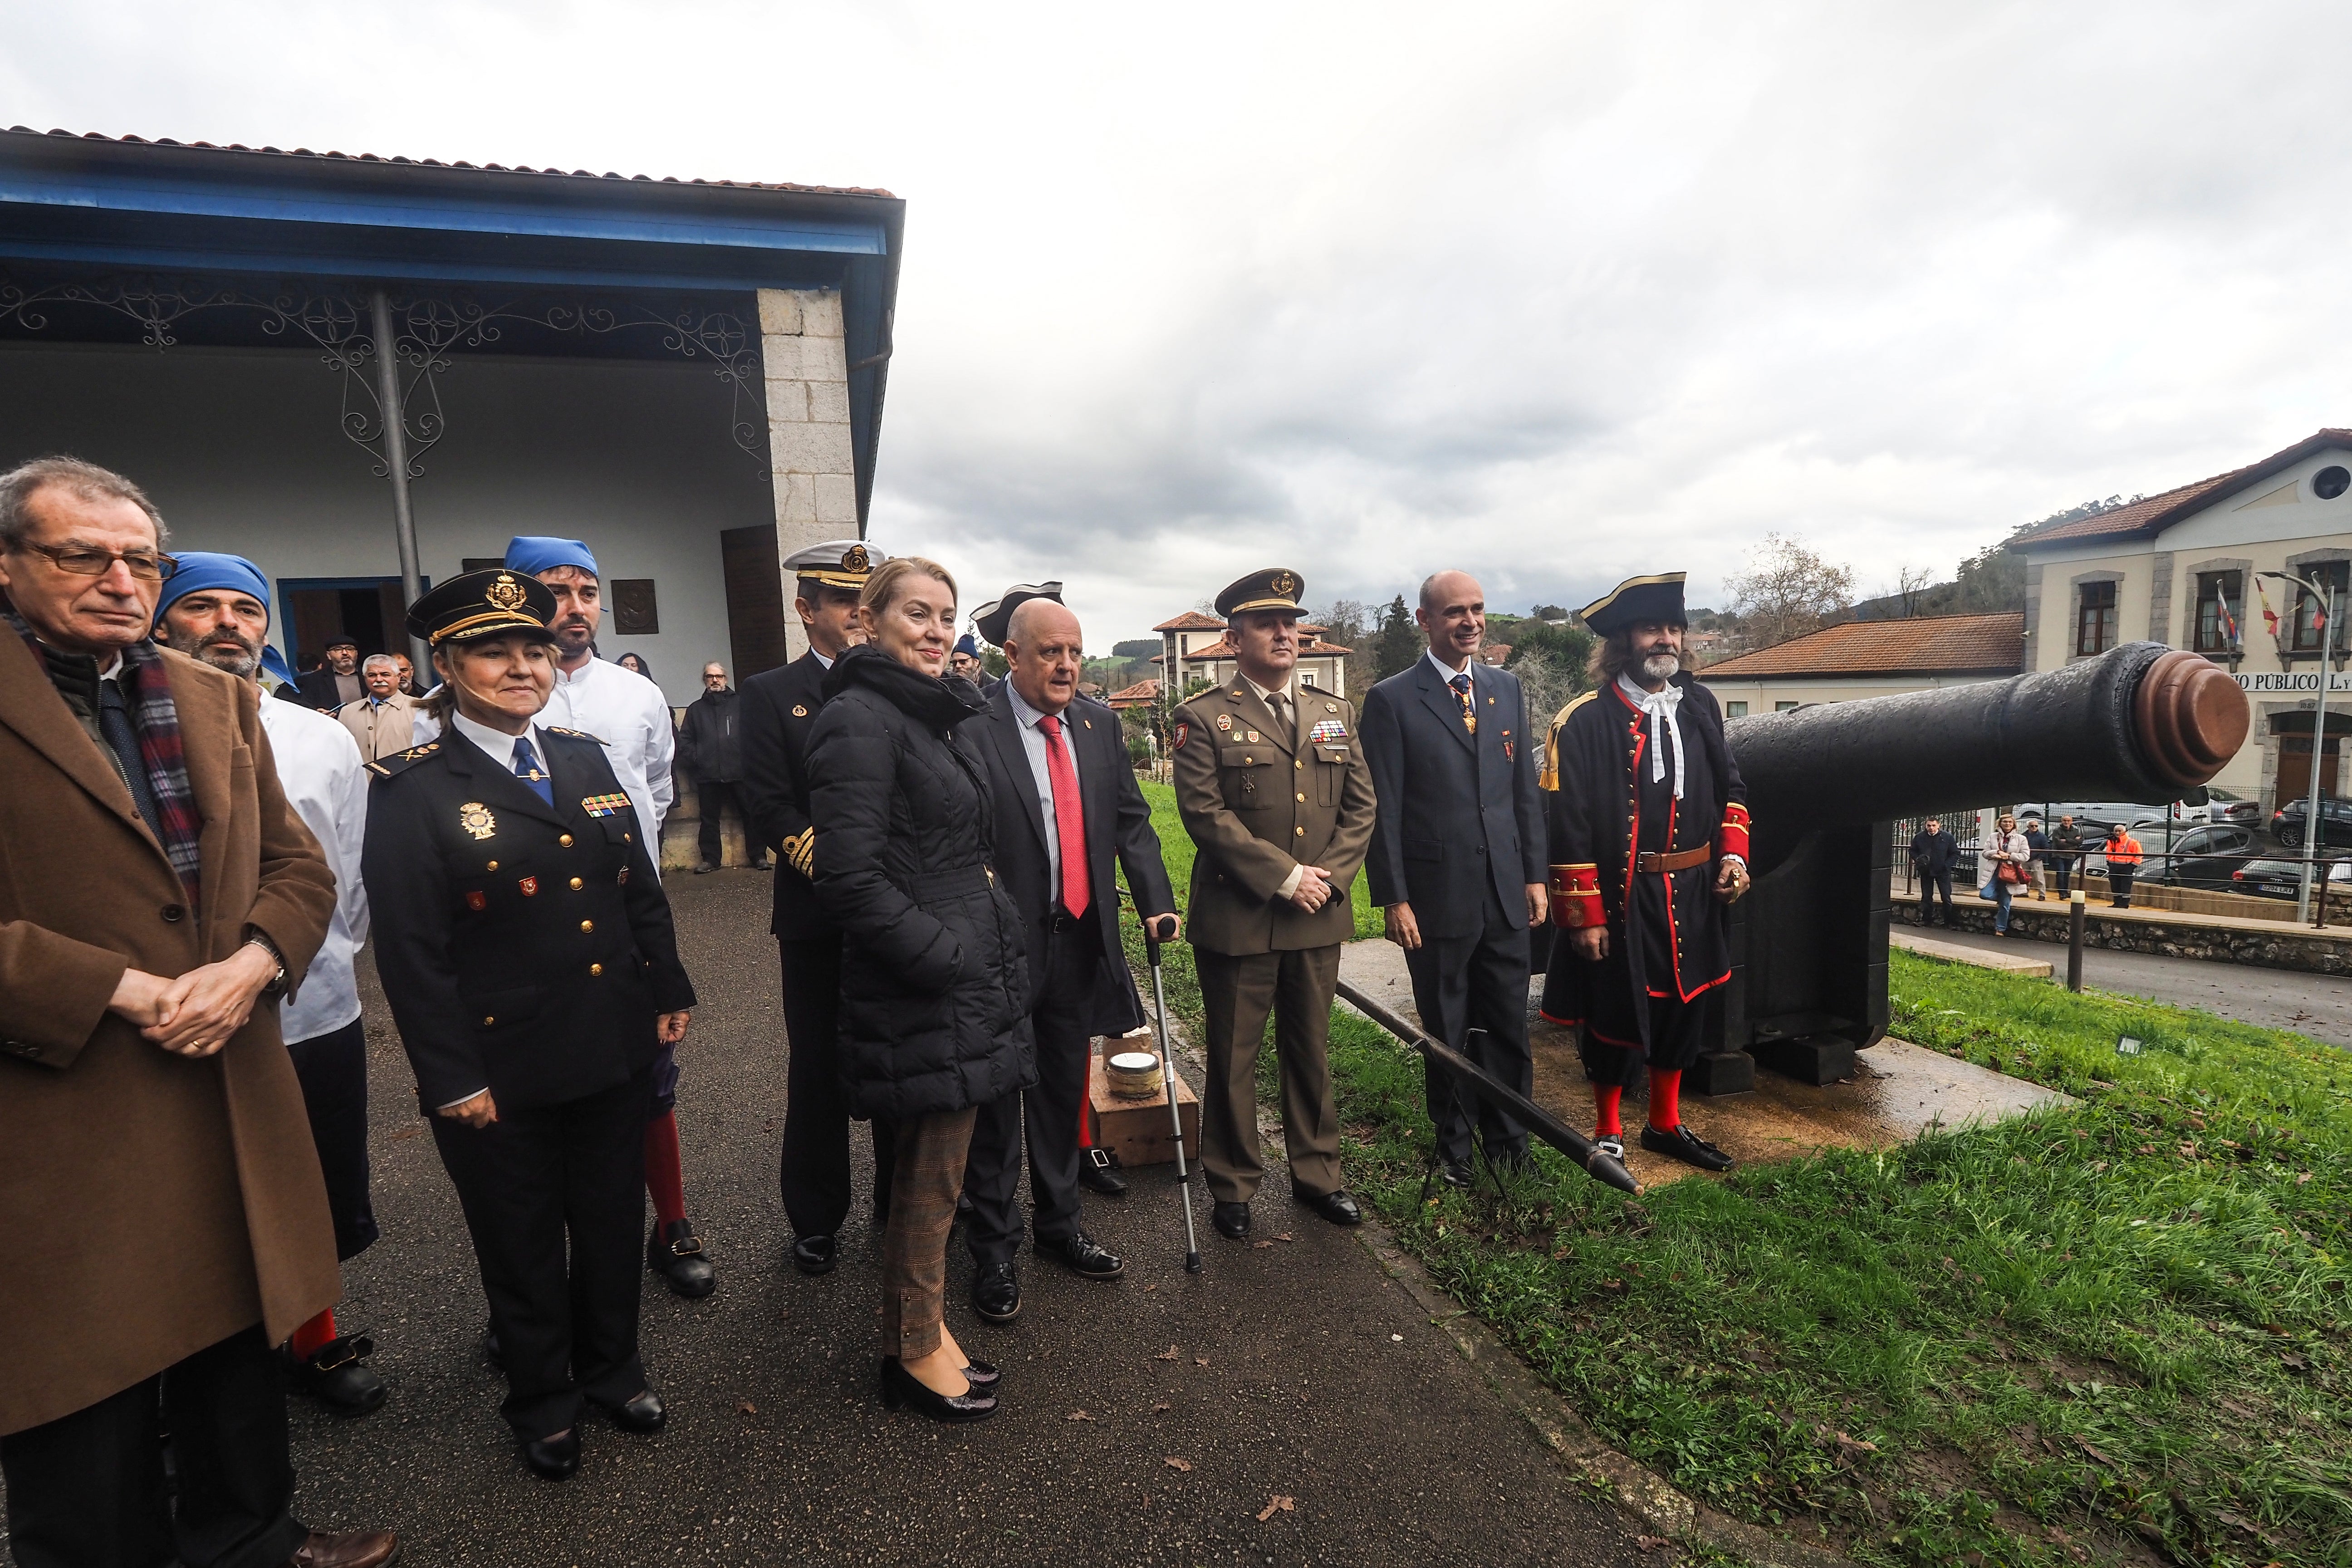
[(527, 951)]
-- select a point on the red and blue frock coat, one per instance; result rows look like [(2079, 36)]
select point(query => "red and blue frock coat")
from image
[(1669, 937)]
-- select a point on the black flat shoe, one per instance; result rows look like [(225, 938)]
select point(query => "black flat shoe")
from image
[(644, 1415), (983, 1377), (1685, 1145), (336, 1374), (1099, 1172), (1232, 1220), (814, 1255), (1457, 1173), (902, 1390), (1084, 1256), (553, 1459), (675, 1252), (996, 1292), (1337, 1207)]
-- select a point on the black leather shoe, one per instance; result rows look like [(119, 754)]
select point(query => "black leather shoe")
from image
[(996, 1292), (675, 1252), (553, 1459), (1337, 1207), (963, 1205), (984, 1378), (1099, 1172), (1457, 1173), (644, 1415), (492, 1349), (705, 869), (902, 1390), (1084, 1256), (336, 1374), (814, 1255), (1685, 1145), (1232, 1221)]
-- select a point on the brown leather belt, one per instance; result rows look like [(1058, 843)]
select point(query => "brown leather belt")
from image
[(1680, 860)]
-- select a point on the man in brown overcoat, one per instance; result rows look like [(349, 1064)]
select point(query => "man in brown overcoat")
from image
[(159, 895)]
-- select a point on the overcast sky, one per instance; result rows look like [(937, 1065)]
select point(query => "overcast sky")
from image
[(1556, 293)]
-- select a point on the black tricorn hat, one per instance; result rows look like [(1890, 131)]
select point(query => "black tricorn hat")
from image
[(483, 604), (995, 621), (1275, 588), (1637, 599)]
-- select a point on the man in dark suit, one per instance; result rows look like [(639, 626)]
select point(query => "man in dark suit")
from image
[(336, 682), (1068, 815), (1458, 858), (779, 707)]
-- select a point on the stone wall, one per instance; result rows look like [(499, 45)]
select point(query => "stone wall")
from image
[(2287, 946), (813, 464)]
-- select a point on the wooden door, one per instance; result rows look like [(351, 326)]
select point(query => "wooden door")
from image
[(2295, 767), (755, 599)]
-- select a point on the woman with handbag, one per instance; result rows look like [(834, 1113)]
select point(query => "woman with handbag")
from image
[(2009, 855)]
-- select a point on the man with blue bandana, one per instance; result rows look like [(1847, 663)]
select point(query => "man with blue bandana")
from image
[(217, 608)]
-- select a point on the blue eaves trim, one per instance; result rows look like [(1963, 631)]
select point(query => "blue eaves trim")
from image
[(164, 258), (411, 212)]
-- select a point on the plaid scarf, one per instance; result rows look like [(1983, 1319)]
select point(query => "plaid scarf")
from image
[(157, 720)]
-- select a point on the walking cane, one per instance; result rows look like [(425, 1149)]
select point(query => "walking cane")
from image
[(1175, 1115)]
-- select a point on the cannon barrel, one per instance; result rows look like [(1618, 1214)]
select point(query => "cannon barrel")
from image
[(2141, 722)]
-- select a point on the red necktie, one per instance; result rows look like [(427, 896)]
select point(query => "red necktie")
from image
[(1070, 819)]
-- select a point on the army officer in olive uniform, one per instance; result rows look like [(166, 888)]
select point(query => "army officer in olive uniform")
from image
[(527, 951), (1273, 786)]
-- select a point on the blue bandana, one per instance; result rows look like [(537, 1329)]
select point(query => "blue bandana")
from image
[(532, 554), (204, 569)]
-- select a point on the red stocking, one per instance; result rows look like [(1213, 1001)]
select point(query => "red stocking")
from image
[(1665, 1099), (1605, 1097), (315, 1335)]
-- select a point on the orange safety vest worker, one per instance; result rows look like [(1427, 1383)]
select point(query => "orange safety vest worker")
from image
[(2122, 851)]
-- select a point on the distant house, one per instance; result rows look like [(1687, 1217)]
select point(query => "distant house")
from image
[(1869, 658), (1192, 647), (1142, 694), (1497, 654)]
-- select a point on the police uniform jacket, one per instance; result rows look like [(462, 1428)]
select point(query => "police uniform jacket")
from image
[(1258, 806), (779, 709), (1604, 809), (525, 948)]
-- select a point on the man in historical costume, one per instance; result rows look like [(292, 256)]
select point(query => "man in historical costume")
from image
[(1648, 828), (161, 892), (217, 608), (780, 708)]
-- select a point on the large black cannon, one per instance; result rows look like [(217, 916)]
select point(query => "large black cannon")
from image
[(1808, 989)]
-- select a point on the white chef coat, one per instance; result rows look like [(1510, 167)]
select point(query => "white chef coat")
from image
[(319, 769)]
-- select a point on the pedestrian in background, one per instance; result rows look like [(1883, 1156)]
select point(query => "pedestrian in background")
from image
[(2039, 843), (2006, 859), (1936, 854), (335, 681), (2065, 853), (710, 749), (384, 721), (635, 665), (2122, 852)]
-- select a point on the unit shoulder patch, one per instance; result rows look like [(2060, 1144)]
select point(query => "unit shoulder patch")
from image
[(401, 762)]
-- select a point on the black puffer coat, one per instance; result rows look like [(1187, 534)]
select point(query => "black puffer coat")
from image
[(934, 983)]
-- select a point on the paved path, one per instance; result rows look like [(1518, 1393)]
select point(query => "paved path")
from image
[(1300, 1372)]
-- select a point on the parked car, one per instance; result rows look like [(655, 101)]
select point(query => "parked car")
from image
[(2335, 822), (2206, 856), (2227, 805), (2284, 878)]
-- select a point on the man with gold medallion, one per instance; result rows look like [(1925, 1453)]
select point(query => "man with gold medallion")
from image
[(1272, 785)]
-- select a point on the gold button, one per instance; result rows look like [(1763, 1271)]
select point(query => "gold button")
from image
[(488, 1022), (595, 969), (1300, 763), (1247, 760), (1302, 833), (565, 840), (587, 926), (493, 866), (628, 838), (577, 884), (1302, 794)]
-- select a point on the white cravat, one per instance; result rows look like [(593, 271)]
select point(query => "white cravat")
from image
[(1660, 706)]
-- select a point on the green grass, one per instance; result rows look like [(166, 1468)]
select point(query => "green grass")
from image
[(2108, 1333)]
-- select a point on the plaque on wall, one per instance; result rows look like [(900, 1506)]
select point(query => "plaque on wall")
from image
[(634, 614)]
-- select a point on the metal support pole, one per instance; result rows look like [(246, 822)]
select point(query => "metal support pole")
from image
[(395, 461), (2075, 935)]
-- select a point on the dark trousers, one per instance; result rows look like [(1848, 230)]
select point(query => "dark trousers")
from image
[(2119, 884), (332, 1068), (536, 1181), (1051, 1107), (710, 796), (1931, 883), (1472, 993), (815, 1163), (2061, 872), (86, 1490)]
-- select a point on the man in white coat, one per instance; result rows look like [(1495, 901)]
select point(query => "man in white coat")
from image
[(217, 608)]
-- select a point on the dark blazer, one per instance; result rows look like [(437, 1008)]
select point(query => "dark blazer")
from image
[(1458, 814), (317, 688), (525, 948), (778, 709), (1118, 831), (711, 739)]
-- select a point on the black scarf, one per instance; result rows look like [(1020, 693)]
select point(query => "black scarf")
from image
[(941, 702)]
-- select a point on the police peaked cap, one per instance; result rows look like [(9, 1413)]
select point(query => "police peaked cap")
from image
[(1637, 599), (995, 620), (483, 604)]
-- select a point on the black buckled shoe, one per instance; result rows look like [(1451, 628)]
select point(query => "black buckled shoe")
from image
[(996, 1292), (1337, 1207), (1099, 1172), (337, 1375), (902, 1390), (1682, 1143), (1084, 1256), (553, 1459), (1232, 1220), (814, 1255), (644, 1415), (675, 1252)]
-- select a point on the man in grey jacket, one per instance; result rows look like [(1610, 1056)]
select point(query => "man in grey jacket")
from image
[(1458, 857)]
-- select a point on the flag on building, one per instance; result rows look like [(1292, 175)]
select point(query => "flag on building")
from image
[(2270, 616)]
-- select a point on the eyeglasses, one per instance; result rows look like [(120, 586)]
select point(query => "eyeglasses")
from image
[(86, 561)]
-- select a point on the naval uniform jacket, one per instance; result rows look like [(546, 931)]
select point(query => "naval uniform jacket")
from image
[(525, 948), (1603, 810), (780, 708)]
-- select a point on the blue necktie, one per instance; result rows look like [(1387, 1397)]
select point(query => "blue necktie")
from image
[(527, 769)]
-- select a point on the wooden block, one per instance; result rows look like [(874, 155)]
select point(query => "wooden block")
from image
[(1816, 1060), (1136, 1131)]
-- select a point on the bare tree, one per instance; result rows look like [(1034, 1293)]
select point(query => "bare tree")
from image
[(1788, 590)]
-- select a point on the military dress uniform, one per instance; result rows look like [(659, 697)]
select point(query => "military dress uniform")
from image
[(1262, 795), (527, 949)]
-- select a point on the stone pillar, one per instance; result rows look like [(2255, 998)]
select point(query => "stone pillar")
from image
[(811, 462)]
